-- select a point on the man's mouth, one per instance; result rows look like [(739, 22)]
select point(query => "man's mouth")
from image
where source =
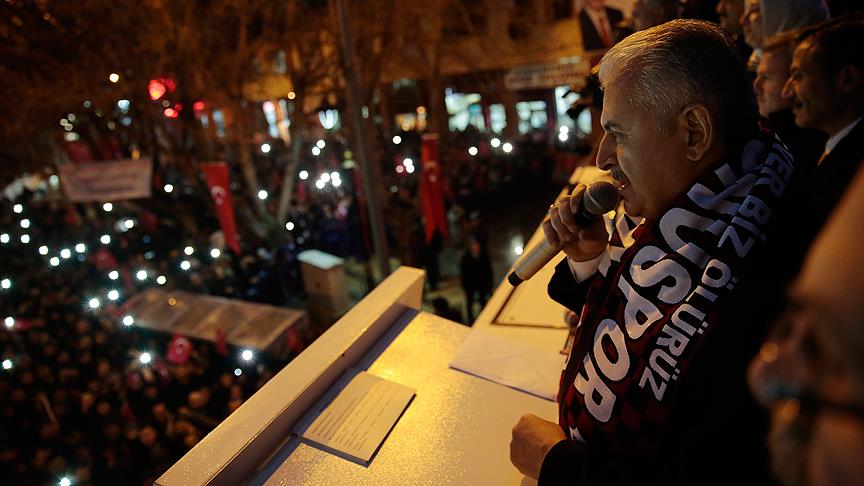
[(619, 178)]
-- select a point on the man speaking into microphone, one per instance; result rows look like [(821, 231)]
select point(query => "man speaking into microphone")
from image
[(654, 386)]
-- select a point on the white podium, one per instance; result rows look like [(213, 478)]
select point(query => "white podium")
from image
[(455, 431)]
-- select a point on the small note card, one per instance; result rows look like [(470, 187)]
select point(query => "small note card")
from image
[(360, 417)]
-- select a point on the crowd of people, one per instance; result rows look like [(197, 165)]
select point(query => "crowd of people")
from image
[(89, 396), (731, 149)]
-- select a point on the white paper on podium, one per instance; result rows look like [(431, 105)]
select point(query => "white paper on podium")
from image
[(510, 364), (360, 417)]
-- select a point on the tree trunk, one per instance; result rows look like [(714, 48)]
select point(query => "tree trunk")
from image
[(298, 127), (244, 159)]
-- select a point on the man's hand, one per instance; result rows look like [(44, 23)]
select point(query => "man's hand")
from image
[(560, 228), (532, 439)]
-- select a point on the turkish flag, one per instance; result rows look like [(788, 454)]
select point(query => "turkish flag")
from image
[(432, 189), (217, 179), (105, 260), (179, 349), (221, 342)]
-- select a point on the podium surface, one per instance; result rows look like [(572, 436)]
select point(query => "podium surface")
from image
[(455, 431)]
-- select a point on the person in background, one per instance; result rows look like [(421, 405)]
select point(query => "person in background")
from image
[(783, 15), (598, 24), (826, 89), (810, 374), (729, 12), (806, 145), (765, 18), (649, 13), (475, 271), (751, 27)]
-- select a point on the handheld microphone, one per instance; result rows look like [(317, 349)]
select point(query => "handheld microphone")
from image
[(599, 198)]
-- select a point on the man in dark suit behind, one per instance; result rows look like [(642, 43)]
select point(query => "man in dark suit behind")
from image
[(826, 88), (598, 23)]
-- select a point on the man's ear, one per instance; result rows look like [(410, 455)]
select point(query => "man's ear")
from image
[(849, 79), (697, 124)]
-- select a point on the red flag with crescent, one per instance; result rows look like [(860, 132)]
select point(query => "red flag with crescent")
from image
[(220, 190), (221, 342), (432, 188), (179, 349)]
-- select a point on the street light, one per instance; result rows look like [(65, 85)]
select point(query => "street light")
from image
[(113, 275), (265, 148), (128, 320), (141, 275), (304, 175), (105, 239), (397, 139), (113, 295), (10, 322), (94, 303), (185, 265), (25, 239), (145, 358), (215, 253), (17, 209), (25, 223), (107, 207), (65, 253), (247, 355), (169, 188), (43, 250), (189, 250), (262, 194), (80, 248), (113, 77), (6, 284)]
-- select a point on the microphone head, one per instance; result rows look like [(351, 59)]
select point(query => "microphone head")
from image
[(600, 197)]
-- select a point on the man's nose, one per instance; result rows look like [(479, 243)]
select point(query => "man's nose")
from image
[(606, 154), (788, 92)]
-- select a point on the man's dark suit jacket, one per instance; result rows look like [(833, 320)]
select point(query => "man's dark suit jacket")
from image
[(590, 37), (820, 192)]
